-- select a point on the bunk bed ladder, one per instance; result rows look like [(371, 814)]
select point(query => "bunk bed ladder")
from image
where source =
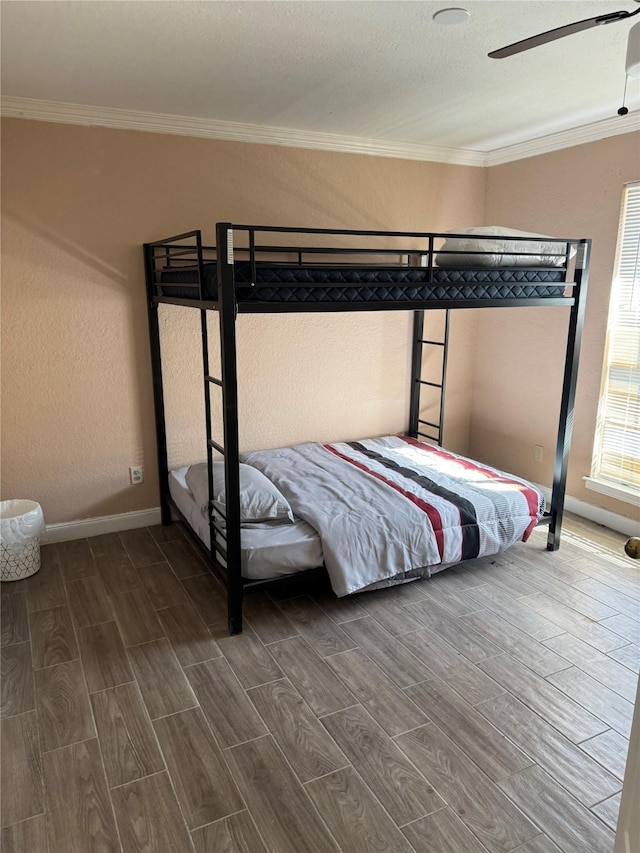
[(417, 382), (227, 310), (228, 554)]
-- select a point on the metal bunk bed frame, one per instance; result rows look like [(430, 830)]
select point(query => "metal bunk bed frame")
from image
[(225, 560)]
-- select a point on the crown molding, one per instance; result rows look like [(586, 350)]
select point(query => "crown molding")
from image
[(80, 114), (64, 113), (614, 126)]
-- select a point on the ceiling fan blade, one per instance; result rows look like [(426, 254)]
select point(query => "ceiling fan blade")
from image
[(558, 33)]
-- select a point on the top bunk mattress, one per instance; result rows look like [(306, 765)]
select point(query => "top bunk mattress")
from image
[(287, 283)]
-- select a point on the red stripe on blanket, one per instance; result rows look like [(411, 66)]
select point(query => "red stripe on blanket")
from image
[(530, 495), (429, 510)]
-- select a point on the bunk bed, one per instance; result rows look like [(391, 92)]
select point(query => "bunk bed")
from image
[(266, 269)]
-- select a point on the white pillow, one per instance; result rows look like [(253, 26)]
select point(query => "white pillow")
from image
[(497, 252), (260, 500)]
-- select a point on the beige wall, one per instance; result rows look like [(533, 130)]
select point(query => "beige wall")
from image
[(575, 192), (78, 202)]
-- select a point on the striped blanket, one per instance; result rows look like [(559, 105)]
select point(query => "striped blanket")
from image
[(387, 507)]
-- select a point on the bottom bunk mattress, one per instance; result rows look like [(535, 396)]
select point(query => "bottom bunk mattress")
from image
[(268, 550), (391, 508)]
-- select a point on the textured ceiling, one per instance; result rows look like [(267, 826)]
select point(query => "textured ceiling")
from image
[(378, 70)]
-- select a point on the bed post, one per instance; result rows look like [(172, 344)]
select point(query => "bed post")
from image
[(158, 392), (565, 428), (416, 372), (227, 313)]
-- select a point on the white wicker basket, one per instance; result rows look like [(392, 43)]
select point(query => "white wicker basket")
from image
[(21, 524)]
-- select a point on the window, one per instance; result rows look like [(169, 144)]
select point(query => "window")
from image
[(616, 464)]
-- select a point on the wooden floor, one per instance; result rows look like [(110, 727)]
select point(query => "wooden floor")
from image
[(487, 709)]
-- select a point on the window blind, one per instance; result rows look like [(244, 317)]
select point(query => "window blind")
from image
[(617, 452)]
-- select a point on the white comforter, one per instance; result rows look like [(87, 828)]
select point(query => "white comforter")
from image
[(384, 507)]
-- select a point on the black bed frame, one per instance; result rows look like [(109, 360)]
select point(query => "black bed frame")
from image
[(187, 250)]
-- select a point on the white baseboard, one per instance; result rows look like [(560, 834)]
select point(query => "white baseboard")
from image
[(597, 514), (68, 530)]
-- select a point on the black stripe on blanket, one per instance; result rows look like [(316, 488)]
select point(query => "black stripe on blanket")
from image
[(468, 518)]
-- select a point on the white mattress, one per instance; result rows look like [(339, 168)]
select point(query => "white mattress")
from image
[(268, 550)]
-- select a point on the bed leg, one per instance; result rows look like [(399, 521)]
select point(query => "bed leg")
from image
[(235, 623), (235, 595), (555, 526)]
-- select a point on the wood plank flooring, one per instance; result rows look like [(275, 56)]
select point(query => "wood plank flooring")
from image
[(485, 710)]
